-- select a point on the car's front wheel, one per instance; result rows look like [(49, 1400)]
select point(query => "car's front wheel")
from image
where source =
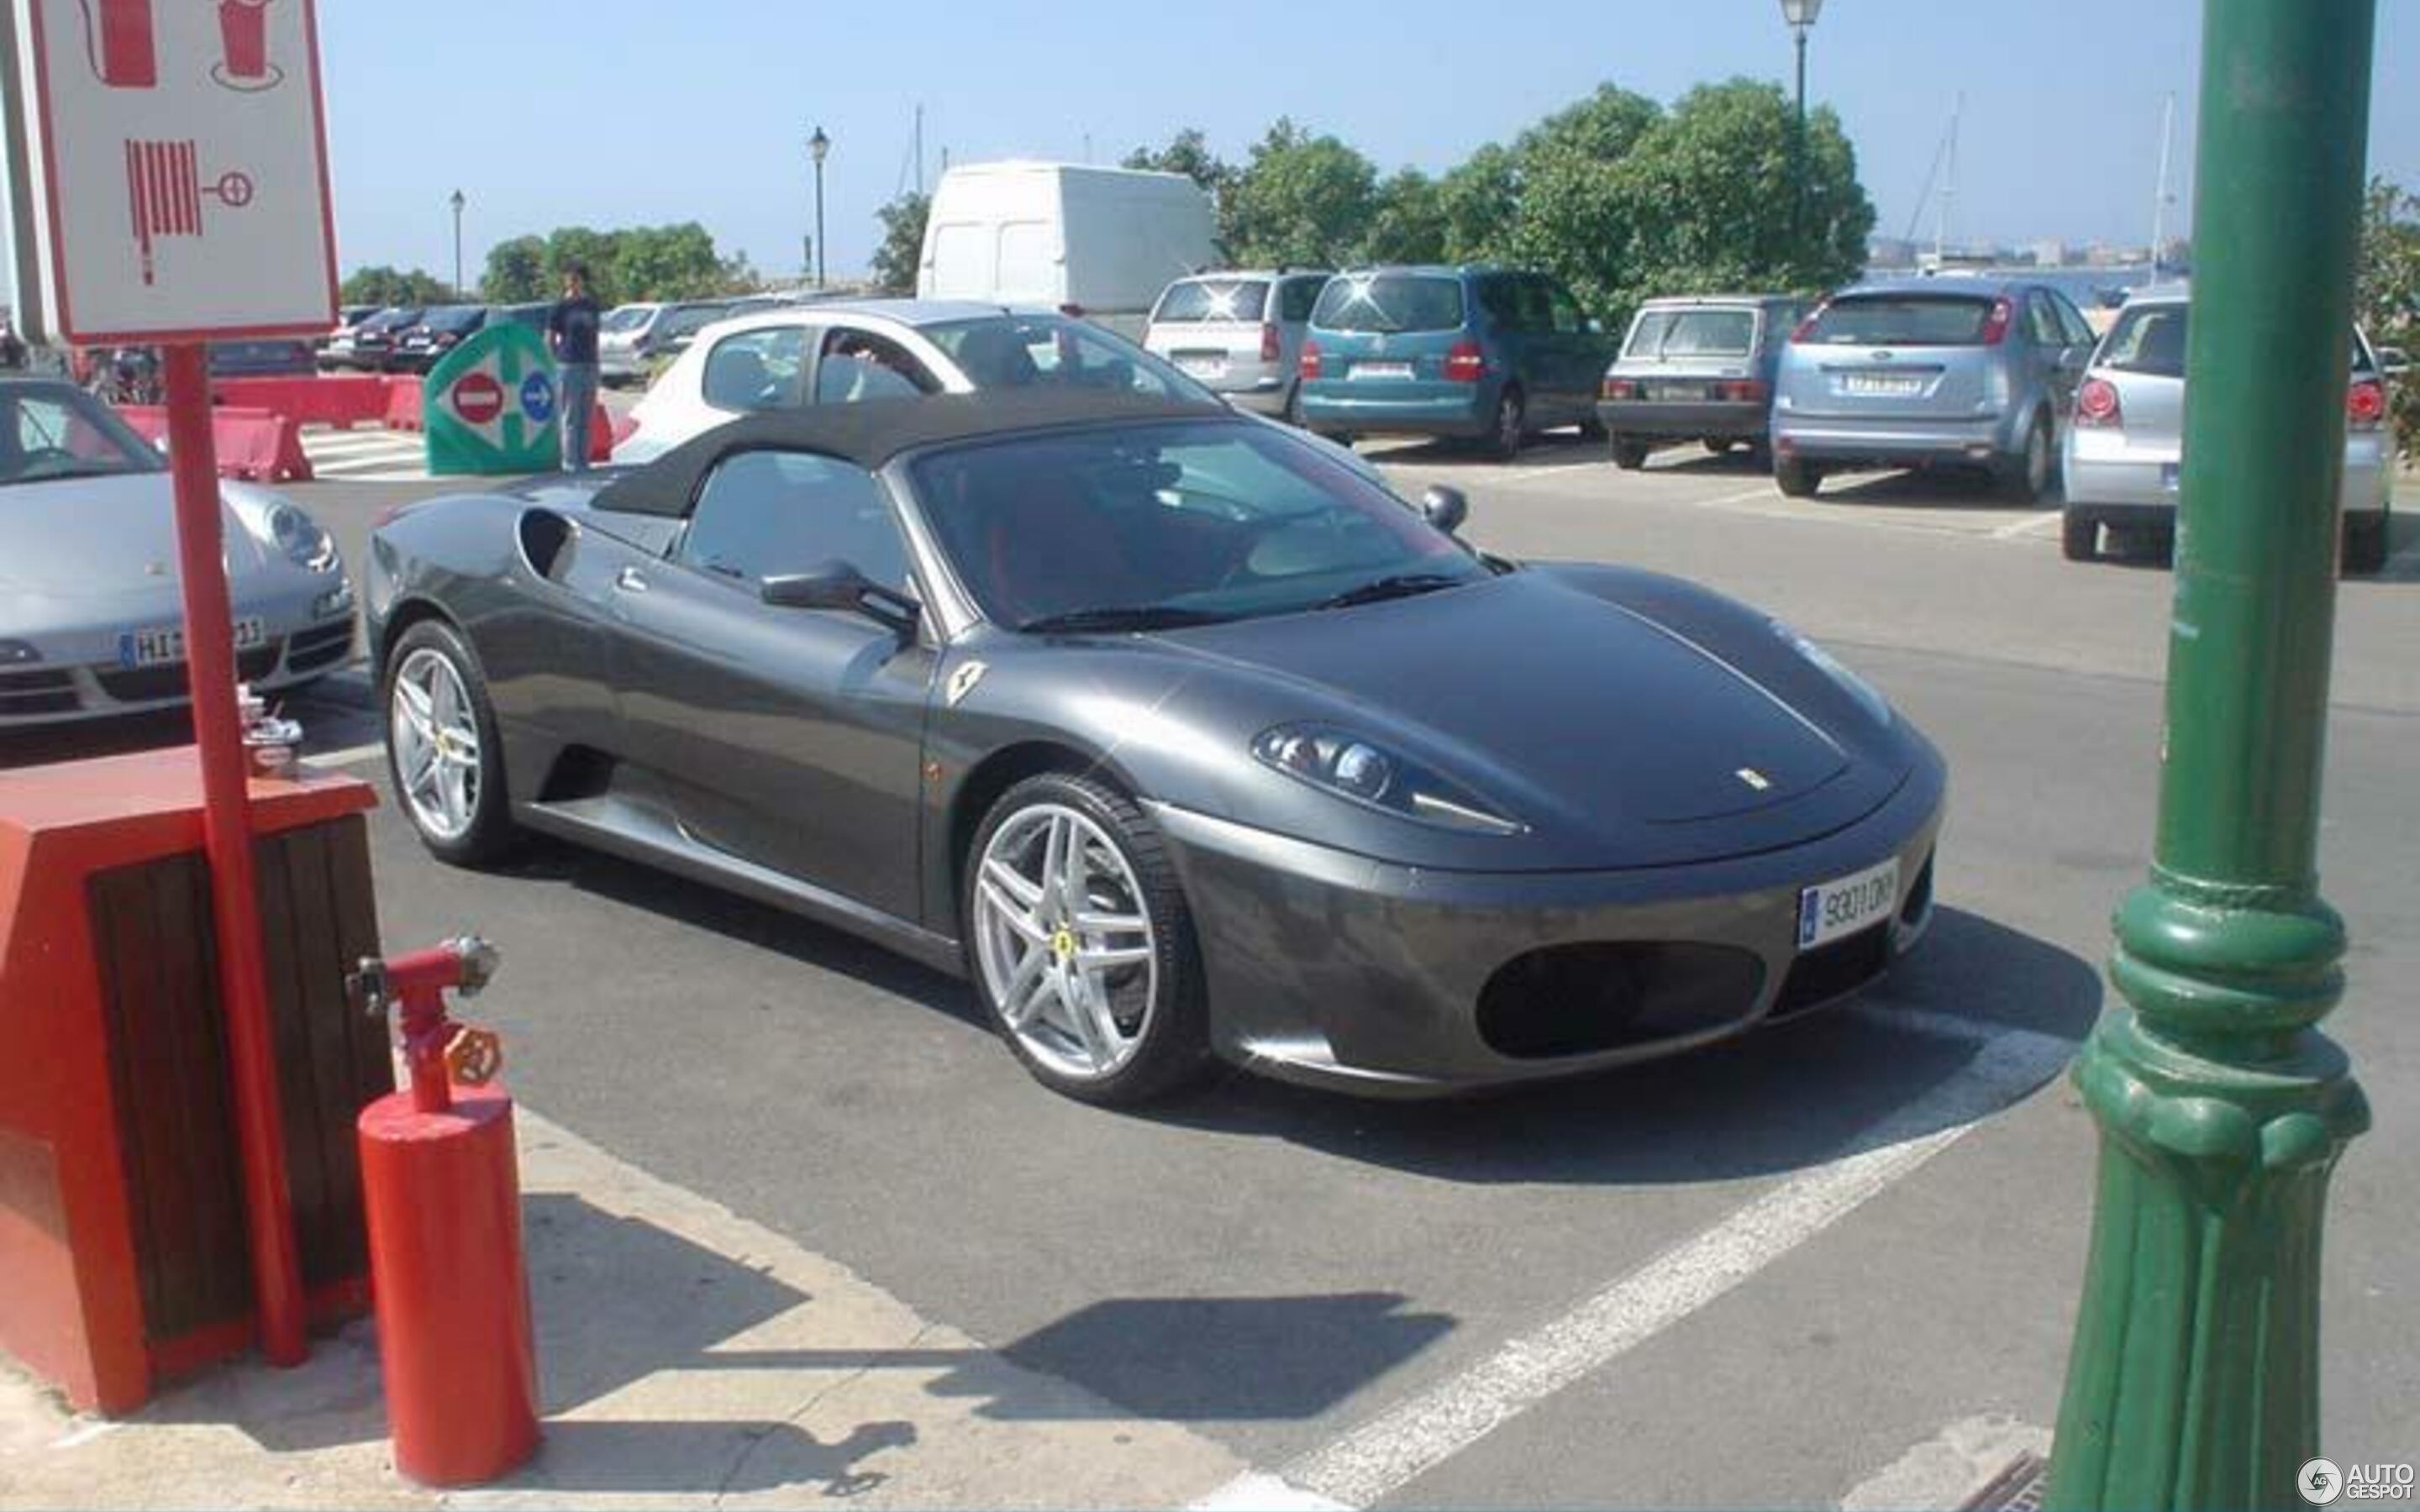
[(2026, 477), (2079, 537), (1080, 941), (441, 746)]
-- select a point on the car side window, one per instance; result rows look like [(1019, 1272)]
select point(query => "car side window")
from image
[(2044, 320), (1564, 310), (755, 370), (1296, 298), (857, 365), (2079, 330), (767, 514)]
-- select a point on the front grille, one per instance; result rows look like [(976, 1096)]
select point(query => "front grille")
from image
[(36, 692), (148, 684), (1834, 970), (1579, 999), (312, 649)]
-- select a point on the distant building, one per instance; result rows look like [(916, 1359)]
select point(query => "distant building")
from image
[(2050, 253), (1890, 252)]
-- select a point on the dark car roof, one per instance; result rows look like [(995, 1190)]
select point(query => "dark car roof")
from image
[(1947, 285), (870, 434)]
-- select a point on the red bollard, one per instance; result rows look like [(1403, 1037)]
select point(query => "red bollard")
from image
[(442, 1192)]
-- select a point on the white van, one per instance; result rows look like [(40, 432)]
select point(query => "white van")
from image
[(1102, 240)]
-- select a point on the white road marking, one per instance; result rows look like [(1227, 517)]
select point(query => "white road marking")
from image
[(1264, 1493), (86, 1432), (349, 756), (2027, 526), (367, 456), (1951, 1467), (1548, 470), (1390, 1451)]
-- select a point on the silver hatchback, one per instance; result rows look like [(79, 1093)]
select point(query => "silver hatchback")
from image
[(1239, 333), (2127, 438)]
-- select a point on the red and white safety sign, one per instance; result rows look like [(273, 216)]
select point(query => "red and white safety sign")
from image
[(168, 169)]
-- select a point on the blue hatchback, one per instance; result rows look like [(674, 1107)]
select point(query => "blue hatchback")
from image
[(1488, 353)]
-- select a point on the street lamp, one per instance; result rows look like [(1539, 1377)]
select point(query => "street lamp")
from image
[(457, 202), (1801, 16), (818, 146)]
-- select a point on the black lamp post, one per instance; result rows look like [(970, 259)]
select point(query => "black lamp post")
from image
[(1801, 15), (818, 146), (457, 202)]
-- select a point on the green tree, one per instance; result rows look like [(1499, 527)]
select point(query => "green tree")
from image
[(1303, 200), (902, 251), (666, 262), (1479, 201), (1707, 195), (516, 272), (2386, 291), (389, 287), (1408, 221), (600, 252)]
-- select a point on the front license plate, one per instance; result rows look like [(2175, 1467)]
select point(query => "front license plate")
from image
[(1832, 909), (166, 643), (1886, 385), (1382, 370)]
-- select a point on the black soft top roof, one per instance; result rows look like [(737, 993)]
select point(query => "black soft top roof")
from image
[(870, 434)]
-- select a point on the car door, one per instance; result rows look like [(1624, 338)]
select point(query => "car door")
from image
[(2058, 363), (1581, 355), (786, 737)]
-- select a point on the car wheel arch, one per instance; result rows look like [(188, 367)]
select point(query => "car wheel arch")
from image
[(402, 617), (1002, 769)]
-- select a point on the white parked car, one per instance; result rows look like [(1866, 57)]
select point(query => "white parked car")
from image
[(1239, 333), (846, 352)]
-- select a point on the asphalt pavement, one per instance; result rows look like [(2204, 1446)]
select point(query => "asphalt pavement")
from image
[(1768, 1274)]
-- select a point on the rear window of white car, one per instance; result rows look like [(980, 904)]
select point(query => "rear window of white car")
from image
[(1901, 321), (1200, 300), (1389, 303), (2150, 338), (1692, 333)]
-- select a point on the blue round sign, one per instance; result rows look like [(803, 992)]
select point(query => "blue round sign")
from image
[(538, 399)]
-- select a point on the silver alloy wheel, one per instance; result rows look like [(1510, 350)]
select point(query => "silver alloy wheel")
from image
[(435, 734), (1064, 942), (1508, 424), (2038, 460)]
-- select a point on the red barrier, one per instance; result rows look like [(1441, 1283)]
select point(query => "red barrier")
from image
[(252, 444), (310, 401), (403, 402), (606, 431)]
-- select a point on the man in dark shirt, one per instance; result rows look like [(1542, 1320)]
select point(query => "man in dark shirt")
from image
[(571, 331)]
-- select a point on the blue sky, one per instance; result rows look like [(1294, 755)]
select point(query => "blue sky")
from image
[(610, 112)]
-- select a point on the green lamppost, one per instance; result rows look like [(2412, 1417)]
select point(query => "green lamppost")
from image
[(1800, 17), (2194, 1377)]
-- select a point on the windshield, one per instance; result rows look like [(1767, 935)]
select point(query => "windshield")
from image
[(692, 319), (50, 432), (1901, 321), (1212, 298), (1012, 351), (391, 319), (455, 317), (1389, 303), (1692, 333), (1171, 523), (629, 317), (2151, 339)]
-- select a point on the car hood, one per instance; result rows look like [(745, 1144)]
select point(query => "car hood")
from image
[(78, 537), (1581, 700)]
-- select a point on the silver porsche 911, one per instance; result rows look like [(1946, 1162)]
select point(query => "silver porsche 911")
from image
[(91, 612)]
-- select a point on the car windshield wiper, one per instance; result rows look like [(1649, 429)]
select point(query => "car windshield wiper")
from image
[(1400, 585), (1122, 617)]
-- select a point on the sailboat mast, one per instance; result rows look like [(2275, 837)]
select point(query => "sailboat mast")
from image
[(2159, 196), (1950, 184)]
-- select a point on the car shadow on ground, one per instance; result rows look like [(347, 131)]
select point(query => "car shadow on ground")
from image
[(1927, 488), (1552, 448), (1779, 1100)]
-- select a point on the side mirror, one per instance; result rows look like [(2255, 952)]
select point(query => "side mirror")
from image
[(1446, 508), (838, 585)]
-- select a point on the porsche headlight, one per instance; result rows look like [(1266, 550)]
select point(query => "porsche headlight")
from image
[(1858, 687), (1364, 772), (301, 538)]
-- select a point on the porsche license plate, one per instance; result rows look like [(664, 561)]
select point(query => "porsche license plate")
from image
[(165, 643), (1844, 906)]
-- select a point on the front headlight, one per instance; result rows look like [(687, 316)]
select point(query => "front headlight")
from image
[(1361, 771), (301, 538), (19, 653), (335, 601), (1832, 667)]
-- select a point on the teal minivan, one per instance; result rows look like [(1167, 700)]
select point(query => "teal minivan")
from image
[(1482, 352)]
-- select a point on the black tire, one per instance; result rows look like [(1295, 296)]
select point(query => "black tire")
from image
[(2026, 476), (2365, 544), (1176, 1047), (1512, 425), (491, 833), (1592, 429), (1719, 445), (1796, 479), (1628, 454), (2079, 537), (1759, 454), (1292, 410)]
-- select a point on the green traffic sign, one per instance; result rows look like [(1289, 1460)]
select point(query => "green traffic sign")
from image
[(492, 405)]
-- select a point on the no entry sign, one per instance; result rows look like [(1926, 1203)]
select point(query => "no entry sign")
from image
[(169, 169)]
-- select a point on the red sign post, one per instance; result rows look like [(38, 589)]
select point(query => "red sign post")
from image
[(169, 169)]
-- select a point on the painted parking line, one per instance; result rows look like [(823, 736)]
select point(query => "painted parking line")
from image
[(1389, 1452), (2029, 526), (348, 756)]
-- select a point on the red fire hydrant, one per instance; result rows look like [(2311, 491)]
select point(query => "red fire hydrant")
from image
[(443, 1198)]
